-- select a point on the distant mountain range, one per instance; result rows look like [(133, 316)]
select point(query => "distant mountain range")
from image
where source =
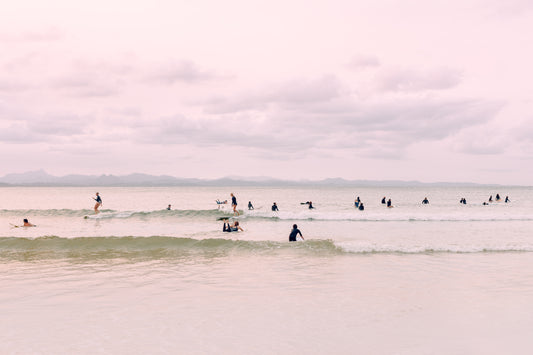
[(41, 178)]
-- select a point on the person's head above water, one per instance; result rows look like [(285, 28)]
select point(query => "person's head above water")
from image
[(294, 226), (25, 220)]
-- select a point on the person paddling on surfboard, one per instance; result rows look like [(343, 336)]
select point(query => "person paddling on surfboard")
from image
[(98, 200)]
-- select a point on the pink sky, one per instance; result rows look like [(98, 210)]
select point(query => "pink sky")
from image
[(411, 90)]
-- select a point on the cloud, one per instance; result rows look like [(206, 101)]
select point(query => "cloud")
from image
[(409, 80), (289, 94), (509, 8), (49, 34), (10, 85), (180, 72), (364, 62), (379, 128), (91, 79), (52, 128)]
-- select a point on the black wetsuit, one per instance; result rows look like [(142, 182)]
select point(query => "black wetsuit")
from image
[(294, 233), (228, 228), (275, 208), (383, 200), (98, 199), (389, 203), (234, 201), (361, 207)]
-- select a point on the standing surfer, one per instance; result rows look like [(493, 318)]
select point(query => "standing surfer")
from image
[(98, 200), (234, 205)]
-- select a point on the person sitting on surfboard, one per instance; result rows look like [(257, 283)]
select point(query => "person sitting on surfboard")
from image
[(311, 205), (169, 207), (231, 228), (98, 200), (389, 203), (250, 206), (294, 232), (275, 207)]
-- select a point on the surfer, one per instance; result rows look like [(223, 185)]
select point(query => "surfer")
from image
[(463, 201), (98, 200), (425, 201), (357, 202), (294, 232), (498, 197), (389, 203), (250, 206), (28, 224), (361, 207), (507, 199), (490, 198), (311, 205), (234, 204), (275, 207), (169, 207), (383, 200)]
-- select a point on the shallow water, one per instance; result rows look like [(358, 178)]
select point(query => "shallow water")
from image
[(443, 278)]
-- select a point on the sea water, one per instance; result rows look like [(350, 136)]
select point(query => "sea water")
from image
[(137, 278)]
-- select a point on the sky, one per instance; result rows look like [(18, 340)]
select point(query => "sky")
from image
[(359, 89)]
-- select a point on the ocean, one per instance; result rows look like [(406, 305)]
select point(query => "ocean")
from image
[(441, 278)]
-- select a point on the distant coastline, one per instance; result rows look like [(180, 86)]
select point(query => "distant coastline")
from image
[(41, 178)]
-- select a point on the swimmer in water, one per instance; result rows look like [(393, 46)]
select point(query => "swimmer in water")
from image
[(234, 204), (275, 207), (28, 224), (98, 200), (294, 233), (250, 206)]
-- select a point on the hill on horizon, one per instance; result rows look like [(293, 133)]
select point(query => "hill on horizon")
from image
[(42, 178)]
